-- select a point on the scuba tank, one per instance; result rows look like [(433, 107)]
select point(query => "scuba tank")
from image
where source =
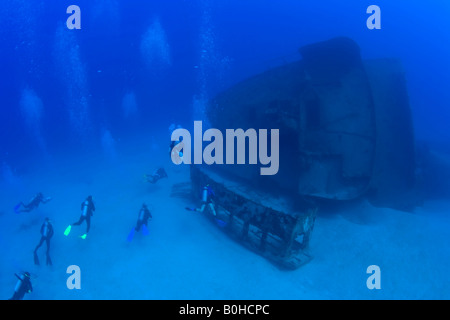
[(205, 194), (45, 230), (19, 283), (141, 215), (85, 208)]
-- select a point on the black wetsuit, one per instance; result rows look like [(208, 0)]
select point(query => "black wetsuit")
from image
[(46, 235), (159, 174), (22, 287), (144, 215), (87, 210), (34, 203)]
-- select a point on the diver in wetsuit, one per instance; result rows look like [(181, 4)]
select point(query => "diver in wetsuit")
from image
[(207, 201), (23, 286), (144, 215), (87, 211), (34, 203), (46, 235), (157, 175)]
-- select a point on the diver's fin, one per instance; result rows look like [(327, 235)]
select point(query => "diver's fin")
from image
[(130, 235), (49, 261), (83, 236), (145, 230), (190, 209), (36, 259), (67, 231), (17, 207), (221, 223)]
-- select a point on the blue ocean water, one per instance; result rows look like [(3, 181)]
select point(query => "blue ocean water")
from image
[(87, 111)]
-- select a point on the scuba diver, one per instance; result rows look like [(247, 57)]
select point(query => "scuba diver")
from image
[(33, 204), (157, 175), (87, 211), (144, 215), (142, 222), (207, 200), (46, 235), (23, 286)]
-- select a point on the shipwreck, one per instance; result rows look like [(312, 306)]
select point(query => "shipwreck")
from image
[(345, 132)]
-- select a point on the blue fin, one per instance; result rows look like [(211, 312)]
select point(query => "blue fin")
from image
[(17, 207), (130, 235), (221, 223), (145, 230)]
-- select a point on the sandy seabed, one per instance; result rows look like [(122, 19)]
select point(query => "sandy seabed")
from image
[(186, 257)]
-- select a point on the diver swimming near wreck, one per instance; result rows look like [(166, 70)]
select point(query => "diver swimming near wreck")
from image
[(207, 201), (142, 222), (46, 235), (23, 286), (156, 176), (87, 211), (33, 204)]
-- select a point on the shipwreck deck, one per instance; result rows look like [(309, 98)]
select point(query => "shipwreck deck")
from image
[(274, 227)]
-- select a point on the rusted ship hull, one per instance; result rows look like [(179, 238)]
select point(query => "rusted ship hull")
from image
[(345, 124), (345, 132), (276, 228)]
